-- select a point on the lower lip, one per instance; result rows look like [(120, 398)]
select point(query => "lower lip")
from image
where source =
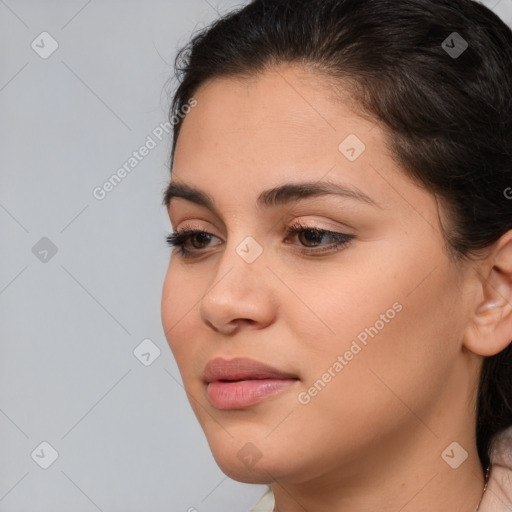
[(244, 393)]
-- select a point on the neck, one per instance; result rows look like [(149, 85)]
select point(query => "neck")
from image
[(419, 482)]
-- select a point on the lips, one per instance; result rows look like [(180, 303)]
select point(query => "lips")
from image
[(242, 369), (240, 383)]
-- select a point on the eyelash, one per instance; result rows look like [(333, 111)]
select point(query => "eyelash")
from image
[(179, 239)]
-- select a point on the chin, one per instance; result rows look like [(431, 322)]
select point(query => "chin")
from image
[(243, 461), (246, 473), (247, 476), (265, 471)]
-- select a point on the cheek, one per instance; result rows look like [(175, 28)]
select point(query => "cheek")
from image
[(180, 300), (343, 303), (392, 364), (390, 329)]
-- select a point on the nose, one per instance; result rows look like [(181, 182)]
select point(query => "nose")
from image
[(240, 292)]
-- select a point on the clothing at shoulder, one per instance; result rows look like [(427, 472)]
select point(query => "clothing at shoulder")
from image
[(266, 503), (498, 495)]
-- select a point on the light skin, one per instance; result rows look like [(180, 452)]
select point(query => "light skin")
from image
[(372, 438)]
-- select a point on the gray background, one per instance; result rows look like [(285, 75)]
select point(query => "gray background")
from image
[(126, 437)]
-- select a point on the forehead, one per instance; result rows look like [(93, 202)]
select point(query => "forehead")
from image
[(287, 101), (284, 115), (249, 134)]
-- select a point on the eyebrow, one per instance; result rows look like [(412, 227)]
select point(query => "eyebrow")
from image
[(280, 195)]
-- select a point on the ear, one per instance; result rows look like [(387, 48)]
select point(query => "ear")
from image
[(490, 327)]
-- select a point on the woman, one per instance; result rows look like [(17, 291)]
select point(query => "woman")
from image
[(339, 296)]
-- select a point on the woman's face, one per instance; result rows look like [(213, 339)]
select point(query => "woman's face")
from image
[(367, 337)]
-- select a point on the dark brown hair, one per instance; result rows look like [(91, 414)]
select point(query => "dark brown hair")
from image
[(446, 109)]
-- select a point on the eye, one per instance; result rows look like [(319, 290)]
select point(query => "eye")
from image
[(181, 237), (310, 237)]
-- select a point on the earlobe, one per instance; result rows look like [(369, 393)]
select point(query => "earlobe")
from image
[(490, 327)]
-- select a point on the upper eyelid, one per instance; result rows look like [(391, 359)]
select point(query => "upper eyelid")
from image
[(291, 216), (297, 225), (299, 206)]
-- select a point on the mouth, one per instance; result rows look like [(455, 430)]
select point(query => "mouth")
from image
[(240, 383)]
